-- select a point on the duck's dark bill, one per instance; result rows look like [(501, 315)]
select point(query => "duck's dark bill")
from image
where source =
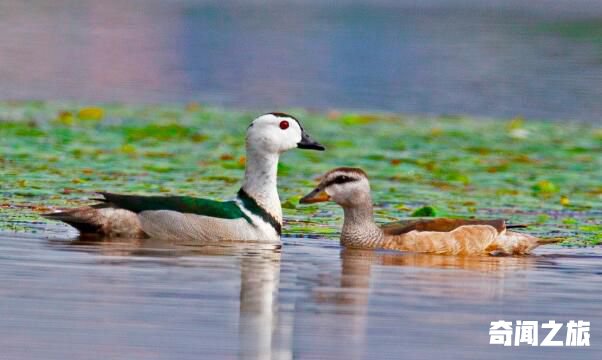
[(308, 143), (315, 196)]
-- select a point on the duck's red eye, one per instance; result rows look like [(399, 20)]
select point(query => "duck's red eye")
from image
[(284, 124)]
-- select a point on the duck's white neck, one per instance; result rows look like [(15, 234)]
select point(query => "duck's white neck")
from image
[(261, 180)]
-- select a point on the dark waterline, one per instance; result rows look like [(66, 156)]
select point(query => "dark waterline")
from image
[(488, 58)]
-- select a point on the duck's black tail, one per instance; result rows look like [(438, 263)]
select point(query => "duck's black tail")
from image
[(86, 219), (102, 219)]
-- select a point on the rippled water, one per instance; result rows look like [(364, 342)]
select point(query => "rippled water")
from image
[(539, 59), (310, 299)]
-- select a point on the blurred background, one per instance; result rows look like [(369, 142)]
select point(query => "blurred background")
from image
[(500, 58)]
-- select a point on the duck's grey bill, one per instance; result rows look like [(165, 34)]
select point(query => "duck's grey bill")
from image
[(317, 195), (308, 143)]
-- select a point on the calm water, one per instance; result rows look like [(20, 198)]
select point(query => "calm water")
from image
[(484, 57), (310, 299)]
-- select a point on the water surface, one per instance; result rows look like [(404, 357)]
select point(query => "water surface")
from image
[(62, 297)]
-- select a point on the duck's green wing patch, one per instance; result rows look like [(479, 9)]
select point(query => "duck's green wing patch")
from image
[(184, 204)]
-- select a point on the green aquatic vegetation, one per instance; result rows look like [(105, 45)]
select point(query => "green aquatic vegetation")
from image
[(426, 211), (543, 174), (162, 132)]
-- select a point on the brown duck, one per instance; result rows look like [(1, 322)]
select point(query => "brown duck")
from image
[(349, 187)]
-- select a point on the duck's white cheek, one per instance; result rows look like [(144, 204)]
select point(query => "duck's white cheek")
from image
[(297, 138), (292, 139), (286, 141), (271, 139)]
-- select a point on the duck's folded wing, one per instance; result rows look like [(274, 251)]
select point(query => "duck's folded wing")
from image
[(438, 225), (183, 204), (464, 240)]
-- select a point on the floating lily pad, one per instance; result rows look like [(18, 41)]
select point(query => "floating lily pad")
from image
[(426, 211)]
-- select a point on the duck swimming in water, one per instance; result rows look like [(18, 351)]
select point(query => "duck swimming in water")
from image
[(350, 188), (254, 215)]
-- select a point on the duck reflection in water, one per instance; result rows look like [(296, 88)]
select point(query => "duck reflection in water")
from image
[(262, 334), (410, 286), (418, 272)]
